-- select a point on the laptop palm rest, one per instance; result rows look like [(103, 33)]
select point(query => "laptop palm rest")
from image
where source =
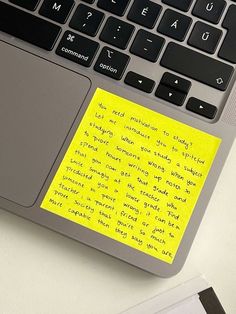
[(39, 102)]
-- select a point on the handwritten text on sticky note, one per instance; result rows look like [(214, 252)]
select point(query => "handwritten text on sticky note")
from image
[(132, 174)]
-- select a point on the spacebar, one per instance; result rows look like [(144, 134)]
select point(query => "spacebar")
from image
[(28, 27), (197, 66)]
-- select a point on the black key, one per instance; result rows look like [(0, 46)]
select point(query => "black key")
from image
[(77, 48), (183, 5), (209, 10), (174, 25), (176, 82), (228, 49), (89, 1), (144, 12), (197, 66), (147, 45), (170, 94), (117, 7), (57, 10), (140, 82), (112, 63), (205, 37), (28, 27), (30, 5), (86, 20), (117, 32), (202, 108)]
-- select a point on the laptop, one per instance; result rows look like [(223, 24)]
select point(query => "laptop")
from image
[(116, 118)]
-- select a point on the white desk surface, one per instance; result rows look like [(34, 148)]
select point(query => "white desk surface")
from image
[(42, 272)]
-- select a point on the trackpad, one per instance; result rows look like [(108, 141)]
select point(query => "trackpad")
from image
[(38, 104)]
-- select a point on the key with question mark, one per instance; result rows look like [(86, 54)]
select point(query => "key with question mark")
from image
[(89, 14), (86, 20)]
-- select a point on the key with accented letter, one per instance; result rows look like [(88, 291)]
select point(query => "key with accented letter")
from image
[(205, 37), (174, 25), (144, 12)]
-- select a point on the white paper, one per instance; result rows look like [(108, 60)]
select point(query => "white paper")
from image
[(182, 295), (191, 305)]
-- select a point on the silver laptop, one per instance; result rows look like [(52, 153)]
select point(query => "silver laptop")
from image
[(116, 118)]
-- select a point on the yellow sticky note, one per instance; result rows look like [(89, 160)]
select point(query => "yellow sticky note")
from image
[(132, 174)]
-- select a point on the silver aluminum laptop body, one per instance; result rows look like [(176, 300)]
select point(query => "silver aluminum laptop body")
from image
[(43, 98)]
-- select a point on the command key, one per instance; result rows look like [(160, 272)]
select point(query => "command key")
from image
[(77, 48)]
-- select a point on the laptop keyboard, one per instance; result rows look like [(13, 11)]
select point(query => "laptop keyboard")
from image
[(150, 31)]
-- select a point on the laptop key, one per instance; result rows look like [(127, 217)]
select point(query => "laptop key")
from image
[(57, 10), (183, 5), (117, 7), (30, 5), (144, 12), (205, 37), (28, 27), (139, 81), (77, 48), (197, 66), (111, 63), (147, 45), (228, 49), (202, 108), (176, 82), (89, 1), (174, 25), (172, 95), (209, 10), (117, 32), (86, 20)]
